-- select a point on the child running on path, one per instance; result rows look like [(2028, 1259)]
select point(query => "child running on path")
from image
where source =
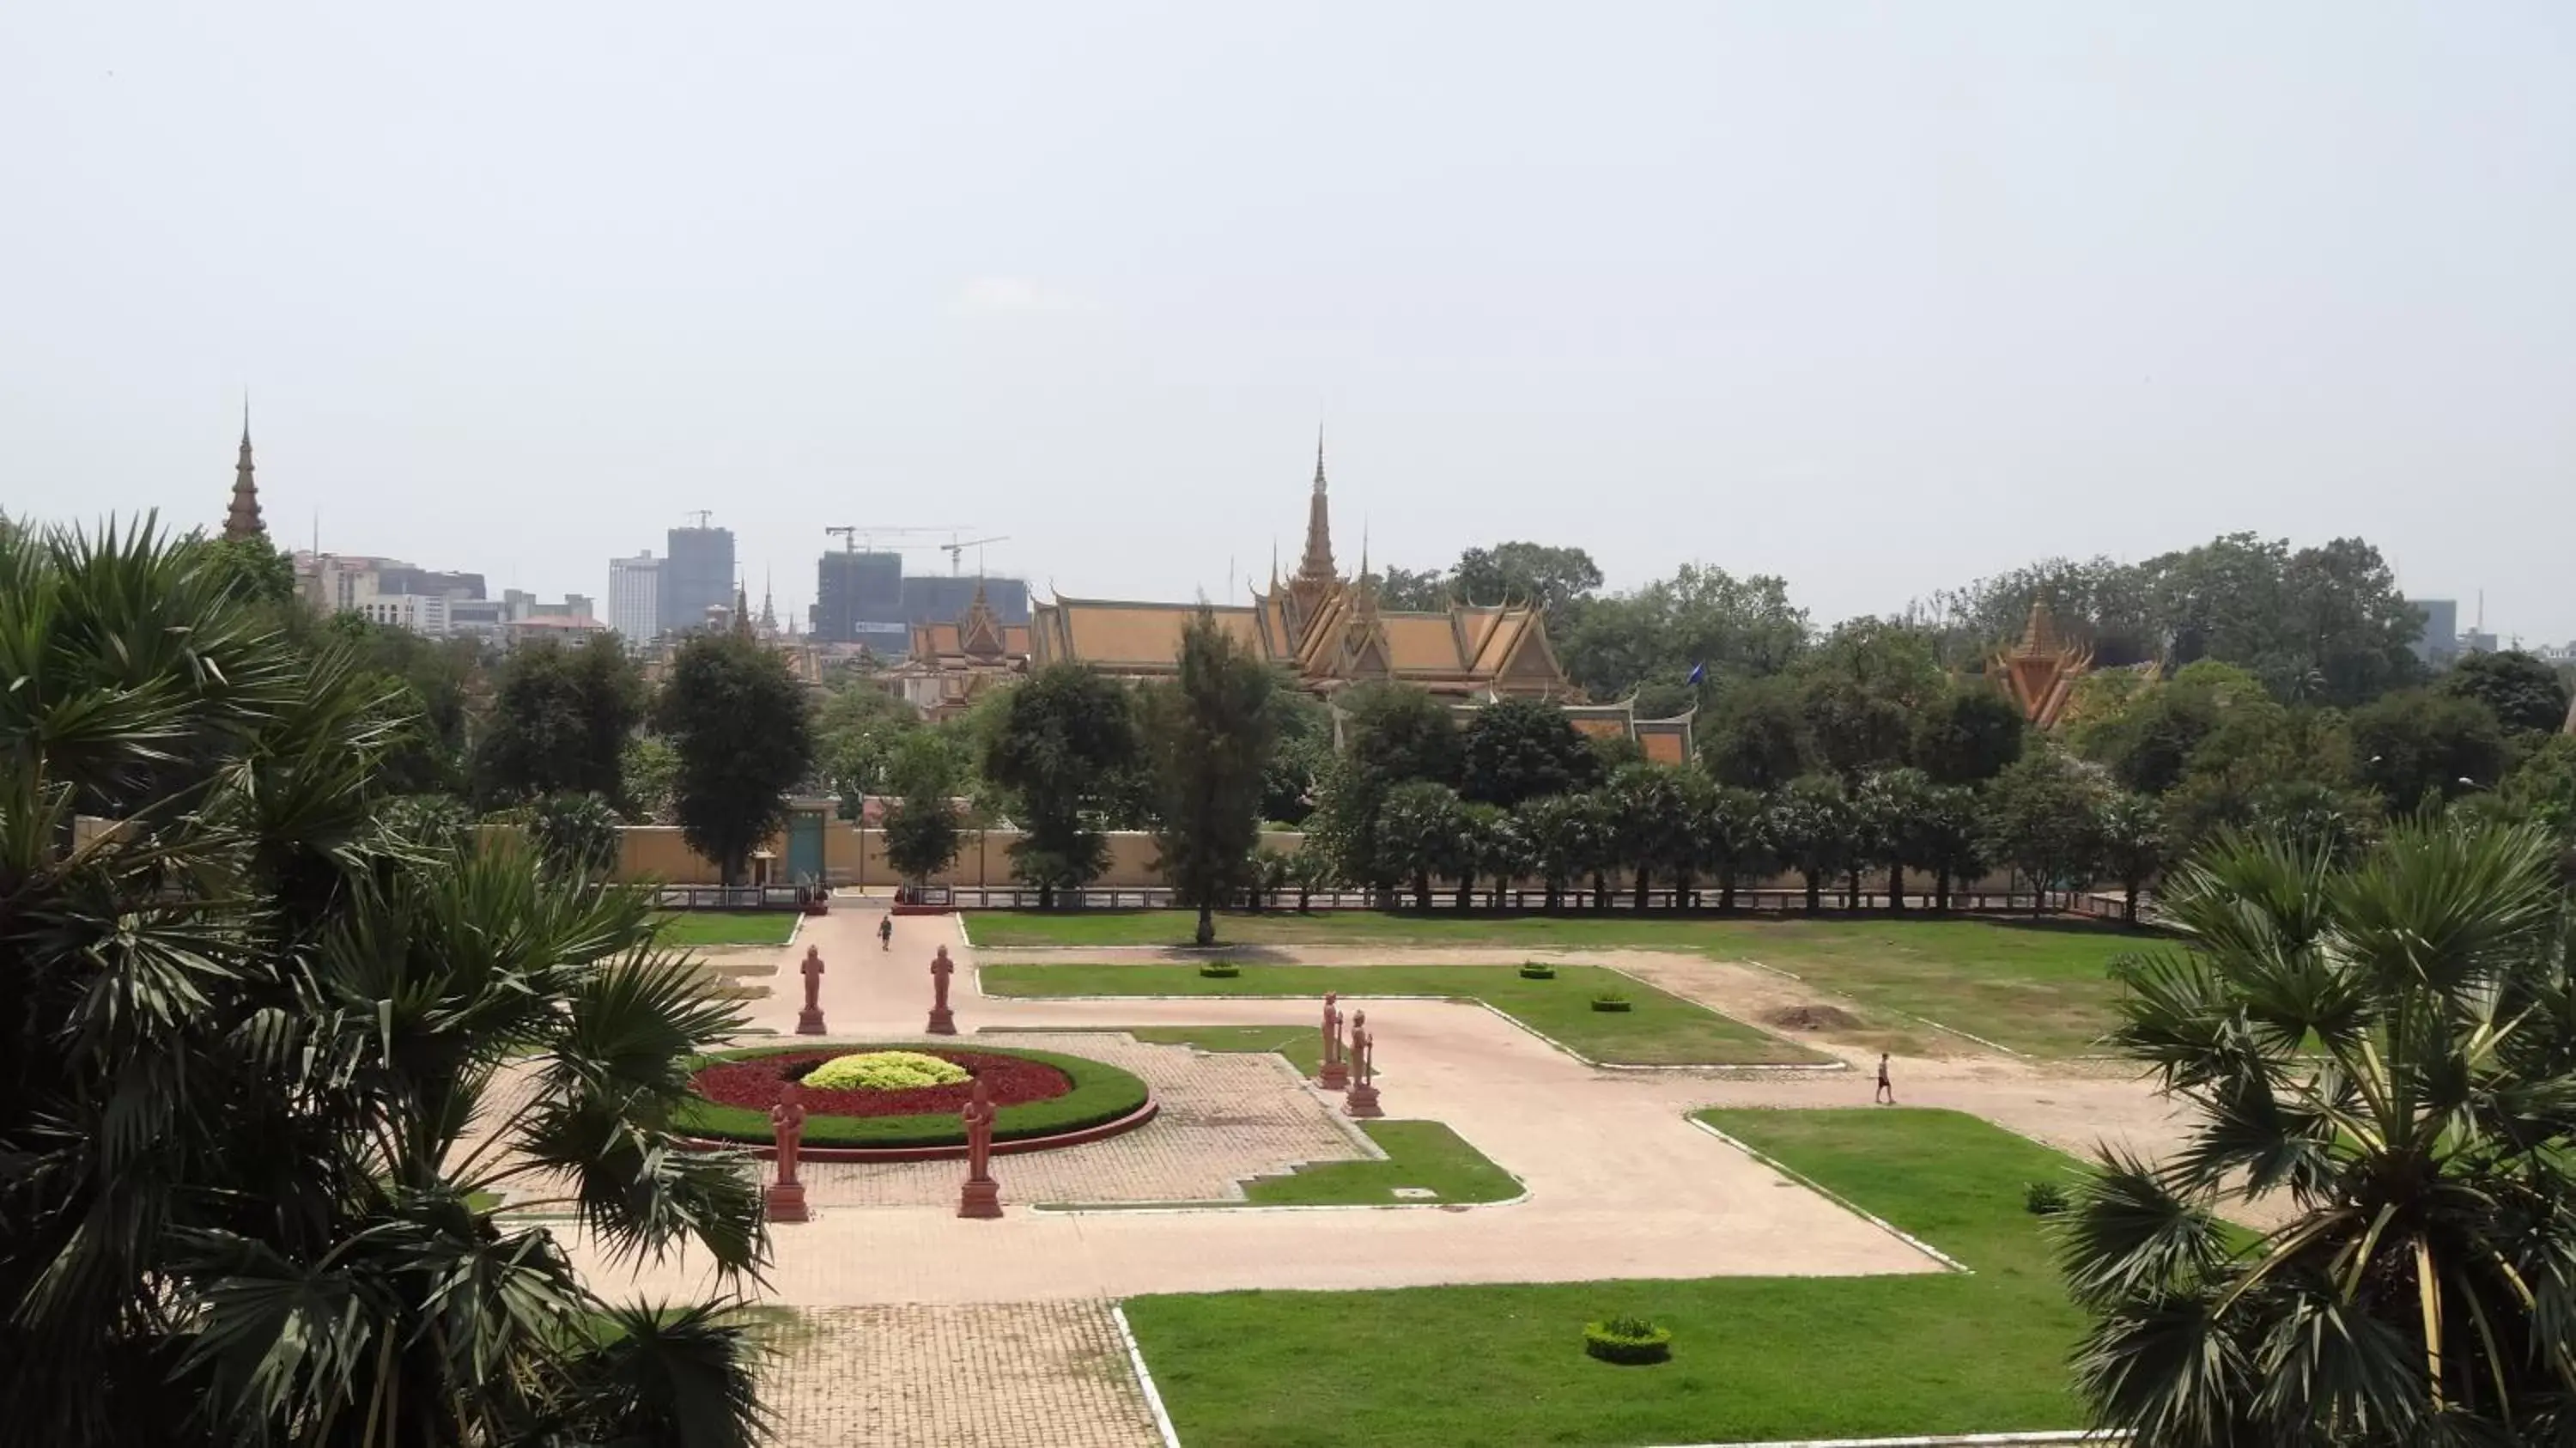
[(885, 932)]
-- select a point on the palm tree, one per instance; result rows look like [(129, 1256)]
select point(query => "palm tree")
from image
[(270, 1062), (1732, 843), (2390, 1045)]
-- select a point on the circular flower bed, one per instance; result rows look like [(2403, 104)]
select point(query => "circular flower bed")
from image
[(885, 1071), (1039, 1093)]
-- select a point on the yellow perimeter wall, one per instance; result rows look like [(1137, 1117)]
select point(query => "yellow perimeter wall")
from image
[(657, 853)]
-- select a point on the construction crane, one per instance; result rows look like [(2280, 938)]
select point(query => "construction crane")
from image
[(851, 535), (956, 550)]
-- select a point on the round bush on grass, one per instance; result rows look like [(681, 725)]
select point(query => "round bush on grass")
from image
[(1101, 1093), (884, 1071), (1220, 970), (1628, 1341), (1534, 970), (1610, 1000)]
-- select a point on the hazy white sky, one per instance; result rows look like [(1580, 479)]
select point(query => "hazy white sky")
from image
[(1879, 298)]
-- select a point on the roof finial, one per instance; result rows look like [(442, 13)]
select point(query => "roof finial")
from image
[(242, 519), (1364, 573), (1319, 460)]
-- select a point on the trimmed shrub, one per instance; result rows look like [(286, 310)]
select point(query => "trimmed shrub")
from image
[(2044, 1199), (1220, 970), (1101, 1093), (1610, 1000), (1535, 970), (1629, 1341), (884, 1071)]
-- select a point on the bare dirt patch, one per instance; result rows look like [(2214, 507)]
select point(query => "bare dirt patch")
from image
[(1812, 1018)]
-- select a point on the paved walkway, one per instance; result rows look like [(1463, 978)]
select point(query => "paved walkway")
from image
[(958, 1377)]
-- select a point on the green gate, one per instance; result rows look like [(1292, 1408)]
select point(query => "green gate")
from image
[(805, 845)]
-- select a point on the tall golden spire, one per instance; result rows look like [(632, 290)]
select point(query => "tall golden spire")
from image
[(242, 520), (1317, 566)]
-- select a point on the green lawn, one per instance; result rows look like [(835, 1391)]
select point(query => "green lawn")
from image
[(2042, 987), (725, 927), (1302, 1045), (1658, 1029), (1753, 1358), (1419, 1154)]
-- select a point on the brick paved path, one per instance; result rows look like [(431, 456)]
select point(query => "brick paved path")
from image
[(999, 1376)]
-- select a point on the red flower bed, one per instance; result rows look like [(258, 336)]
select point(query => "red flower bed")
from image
[(760, 1082)]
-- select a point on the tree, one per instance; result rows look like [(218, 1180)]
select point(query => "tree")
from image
[(577, 835), (1654, 819), (1420, 830), (2385, 1049), (737, 720), (1757, 736), (249, 961), (1297, 767), (921, 836), (1412, 590), (1892, 806), (2422, 745), (1396, 732), (857, 729), (1810, 822), (648, 771), (2133, 845), (1488, 845), (2525, 695), (1567, 836), (1705, 618), (1952, 838), (252, 568), (559, 724), (1733, 839), (1860, 691), (1518, 749), (2044, 816), (1064, 738), (1968, 734), (1556, 579), (1212, 732)]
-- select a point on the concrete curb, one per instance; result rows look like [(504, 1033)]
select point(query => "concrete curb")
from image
[(1838, 1199), (1144, 1379), (1935, 1441)]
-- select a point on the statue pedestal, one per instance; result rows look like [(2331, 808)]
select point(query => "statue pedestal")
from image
[(785, 1202), (942, 1023), (809, 1022), (982, 1198), (1335, 1077), (1361, 1102)]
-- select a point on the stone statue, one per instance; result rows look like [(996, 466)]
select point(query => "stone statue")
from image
[(809, 1021), (785, 1198), (983, 1195), (941, 967), (1335, 1074), (1362, 1100)]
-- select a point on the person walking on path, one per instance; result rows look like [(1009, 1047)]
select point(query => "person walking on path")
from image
[(885, 932), (1886, 1089)]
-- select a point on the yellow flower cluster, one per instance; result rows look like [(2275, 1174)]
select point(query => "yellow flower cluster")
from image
[(884, 1071)]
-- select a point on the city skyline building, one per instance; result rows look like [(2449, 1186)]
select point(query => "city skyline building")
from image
[(697, 574), (635, 598)]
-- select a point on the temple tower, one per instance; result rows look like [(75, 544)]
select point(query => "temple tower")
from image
[(1315, 581), (242, 520)]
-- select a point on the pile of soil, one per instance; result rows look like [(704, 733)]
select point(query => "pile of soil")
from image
[(1813, 1018), (761, 1082)]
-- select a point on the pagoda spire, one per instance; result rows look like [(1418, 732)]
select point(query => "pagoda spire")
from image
[(1317, 565), (242, 519)]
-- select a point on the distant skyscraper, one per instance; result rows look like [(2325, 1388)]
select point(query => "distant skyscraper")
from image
[(851, 588), (2441, 640), (697, 576), (635, 597)]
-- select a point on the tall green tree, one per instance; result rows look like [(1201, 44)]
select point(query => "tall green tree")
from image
[(1731, 628), (2385, 1049), (559, 723), (1951, 835), (922, 833), (1065, 738), (1734, 842), (1810, 821), (737, 719), (2422, 745), (1967, 734), (1756, 736), (1396, 732), (1422, 836), (1567, 836), (1518, 749), (1655, 818), (1557, 579), (252, 960), (2525, 695), (1893, 806), (2134, 845), (2044, 816), (1212, 732)]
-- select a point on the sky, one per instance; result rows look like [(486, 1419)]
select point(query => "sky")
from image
[(1879, 299)]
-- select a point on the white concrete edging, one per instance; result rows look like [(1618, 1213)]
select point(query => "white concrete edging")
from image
[(1838, 1199), (1144, 1379), (1935, 1441)]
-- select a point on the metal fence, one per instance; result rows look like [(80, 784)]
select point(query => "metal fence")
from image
[(729, 897), (1571, 902)]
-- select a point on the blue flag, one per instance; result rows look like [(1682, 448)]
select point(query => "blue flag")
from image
[(1698, 675)]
